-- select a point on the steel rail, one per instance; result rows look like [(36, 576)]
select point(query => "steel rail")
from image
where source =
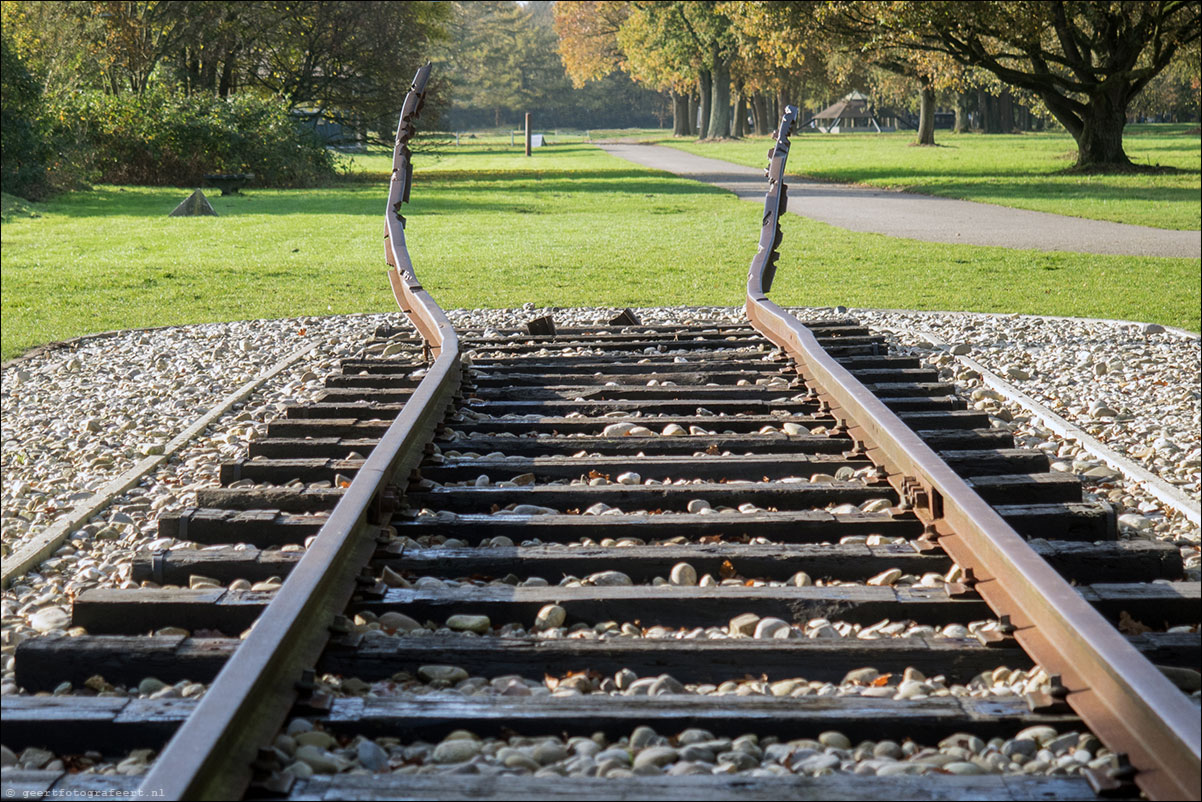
[(1121, 696), (211, 755)]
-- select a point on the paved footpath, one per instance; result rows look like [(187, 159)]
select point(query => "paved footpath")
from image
[(922, 217)]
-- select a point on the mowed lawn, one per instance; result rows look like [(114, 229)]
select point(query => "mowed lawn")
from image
[(1025, 171), (490, 228)]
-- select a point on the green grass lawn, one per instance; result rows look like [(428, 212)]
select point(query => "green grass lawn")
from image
[(490, 228), (1025, 171)]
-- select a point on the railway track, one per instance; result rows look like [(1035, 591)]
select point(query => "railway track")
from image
[(765, 560)]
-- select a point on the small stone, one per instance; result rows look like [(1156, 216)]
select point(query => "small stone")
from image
[(450, 674), (7, 757), (1016, 372), (299, 769), (655, 756), (674, 430), (34, 758), (150, 685), (629, 478), (479, 624), (772, 628), (800, 580), (683, 574), (550, 617), (888, 749), (608, 579), (523, 479), (1040, 734), (549, 752), (393, 621), (665, 683), (456, 751), (517, 760), (319, 759), (744, 624), (963, 767), (861, 676), (816, 763), (834, 739), (318, 738), (960, 349), (697, 505), (886, 577), (641, 737), (49, 619), (1152, 328), (1135, 521), (694, 735)]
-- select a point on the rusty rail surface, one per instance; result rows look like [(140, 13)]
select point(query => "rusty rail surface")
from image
[(1123, 698), (211, 755)]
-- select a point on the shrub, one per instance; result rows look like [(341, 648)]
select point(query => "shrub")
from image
[(162, 137), (22, 153)]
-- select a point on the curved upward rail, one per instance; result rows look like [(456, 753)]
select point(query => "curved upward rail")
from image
[(1131, 706), (210, 756)]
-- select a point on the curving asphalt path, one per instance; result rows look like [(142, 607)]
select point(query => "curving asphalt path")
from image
[(922, 217)]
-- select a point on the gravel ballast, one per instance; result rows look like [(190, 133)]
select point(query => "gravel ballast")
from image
[(74, 417)]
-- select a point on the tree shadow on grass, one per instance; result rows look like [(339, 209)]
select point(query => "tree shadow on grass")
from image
[(1100, 191), (445, 193)]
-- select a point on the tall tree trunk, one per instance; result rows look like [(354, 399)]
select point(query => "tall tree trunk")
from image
[(1005, 112), (705, 85), (719, 126), (226, 84), (1100, 134), (961, 125), (694, 105), (680, 115), (739, 129), (991, 122), (926, 115), (763, 119)]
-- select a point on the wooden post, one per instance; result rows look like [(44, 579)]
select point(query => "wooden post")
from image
[(527, 133)]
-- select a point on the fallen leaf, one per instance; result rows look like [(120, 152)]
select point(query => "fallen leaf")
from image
[(881, 681), (1129, 626), (727, 569)]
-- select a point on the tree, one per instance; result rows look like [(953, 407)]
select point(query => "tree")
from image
[(344, 59), (22, 152), (1085, 60), (857, 26), (588, 38)]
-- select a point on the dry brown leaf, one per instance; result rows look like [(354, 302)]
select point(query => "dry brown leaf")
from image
[(881, 681), (1129, 626)]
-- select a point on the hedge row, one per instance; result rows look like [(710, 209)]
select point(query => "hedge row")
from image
[(162, 137)]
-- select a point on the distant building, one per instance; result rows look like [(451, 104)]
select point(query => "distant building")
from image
[(856, 113)]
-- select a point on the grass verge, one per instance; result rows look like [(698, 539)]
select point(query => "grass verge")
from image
[(489, 228), (1024, 171)]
